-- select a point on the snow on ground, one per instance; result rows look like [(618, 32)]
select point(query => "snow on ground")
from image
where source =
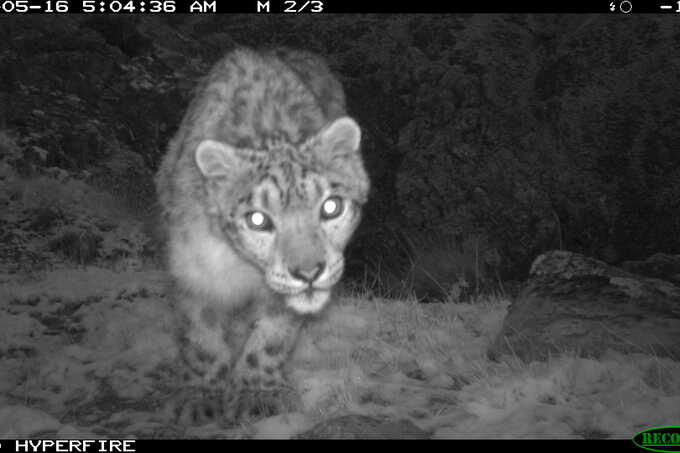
[(88, 352)]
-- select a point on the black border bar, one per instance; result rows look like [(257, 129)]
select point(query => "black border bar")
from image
[(222, 446), (294, 7)]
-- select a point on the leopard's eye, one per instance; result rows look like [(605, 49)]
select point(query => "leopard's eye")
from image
[(332, 208), (259, 221)]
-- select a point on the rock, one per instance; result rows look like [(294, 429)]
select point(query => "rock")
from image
[(575, 303), (364, 427), (659, 265)]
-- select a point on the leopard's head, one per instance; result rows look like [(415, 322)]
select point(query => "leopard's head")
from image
[(290, 209)]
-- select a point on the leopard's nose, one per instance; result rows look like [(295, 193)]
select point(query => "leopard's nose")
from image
[(308, 275)]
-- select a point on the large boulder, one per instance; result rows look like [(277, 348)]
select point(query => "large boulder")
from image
[(575, 303), (659, 265)]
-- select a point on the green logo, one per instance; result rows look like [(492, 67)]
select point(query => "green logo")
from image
[(661, 438)]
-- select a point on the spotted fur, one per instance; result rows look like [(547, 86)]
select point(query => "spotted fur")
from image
[(261, 189)]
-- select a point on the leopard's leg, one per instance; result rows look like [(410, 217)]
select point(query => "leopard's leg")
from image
[(259, 386), (208, 359), (225, 385), (203, 344)]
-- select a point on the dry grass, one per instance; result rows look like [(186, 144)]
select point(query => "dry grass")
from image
[(385, 354)]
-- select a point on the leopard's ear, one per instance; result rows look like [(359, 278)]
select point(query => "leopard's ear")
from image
[(216, 159), (337, 147), (340, 138)]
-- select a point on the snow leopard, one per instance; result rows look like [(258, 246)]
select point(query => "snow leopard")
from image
[(260, 189)]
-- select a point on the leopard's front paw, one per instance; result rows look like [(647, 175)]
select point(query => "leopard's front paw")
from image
[(198, 406)]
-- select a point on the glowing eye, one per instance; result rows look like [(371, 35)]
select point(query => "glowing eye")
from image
[(331, 208), (259, 221)]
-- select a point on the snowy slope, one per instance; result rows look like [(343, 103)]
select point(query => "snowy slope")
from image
[(88, 352)]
